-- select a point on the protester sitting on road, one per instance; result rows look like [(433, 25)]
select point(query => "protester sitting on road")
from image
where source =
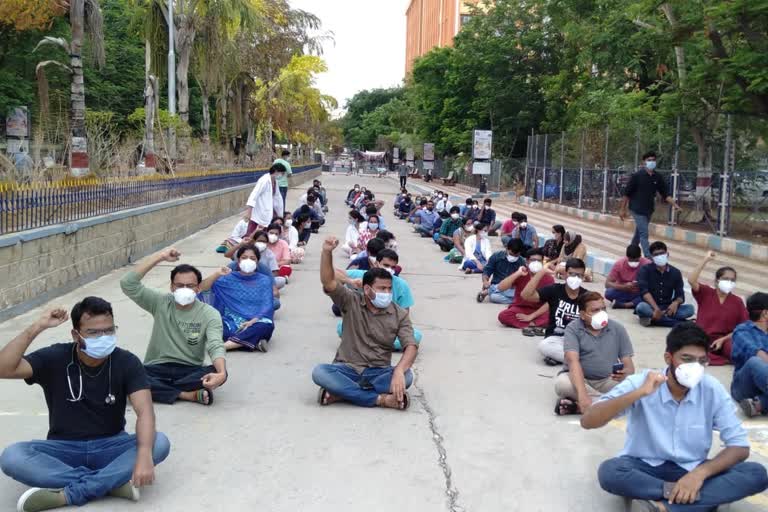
[(389, 239), (507, 227), (456, 255), (621, 286), (563, 305), (661, 286), (314, 220), (419, 204), (526, 233), (665, 464), (368, 231), (184, 330), (531, 317), (444, 237), (398, 199), (361, 372), (750, 358), (426, 219), (239, 231), (372, 249), (320, 190), (573, 247), (291, 235), (352, 237), (351, 195), (473, 213), (488, 217), (261, 241), (304, 227), (554, 246), (405, 207), (280, 249), (477, 250), (465, 209), (719, 309), (87, 454), (244, 299), (598, 355), (375, 210), (443, 203), (501, 265)]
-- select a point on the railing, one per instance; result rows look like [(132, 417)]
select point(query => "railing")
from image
[(36, 205)]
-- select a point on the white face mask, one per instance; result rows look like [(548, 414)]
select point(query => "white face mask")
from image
[(261, 246), (511, 258), (482, 234), (599, 320), (184, 296), (272, 238), (633, 264), (390, 270), (689, 374), (289, 222), (650, 165), (372, 260), (523, 225), (535, 266), (100, 347), (455, 216), (248, 266), (573, 282), (726, 285), (382, 300), (661, 260)]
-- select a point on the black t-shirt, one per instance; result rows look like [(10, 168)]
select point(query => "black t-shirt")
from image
[(91, 417), (562, 308), (641, 191)]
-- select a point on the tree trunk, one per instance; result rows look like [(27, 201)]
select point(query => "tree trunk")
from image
[(150, 91), (185, 39), (206, 125), (78, 150)]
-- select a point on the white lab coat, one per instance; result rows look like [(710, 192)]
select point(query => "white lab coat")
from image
[(265, 200), (469, 248)]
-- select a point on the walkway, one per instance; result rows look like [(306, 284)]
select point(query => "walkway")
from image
[(480, 436)]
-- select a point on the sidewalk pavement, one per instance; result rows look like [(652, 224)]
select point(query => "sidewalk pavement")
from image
[(480, 435)]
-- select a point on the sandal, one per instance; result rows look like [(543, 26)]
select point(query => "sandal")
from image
[(749, 407), (564, 407), (406, 402), (322, 397), (551, 362), (201, 396), (529, 331), (481, 297), (539, 331)]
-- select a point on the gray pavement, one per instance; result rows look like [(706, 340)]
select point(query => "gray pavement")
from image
[(480, 435)]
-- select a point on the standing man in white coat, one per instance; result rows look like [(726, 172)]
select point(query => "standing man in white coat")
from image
[(265, 201)]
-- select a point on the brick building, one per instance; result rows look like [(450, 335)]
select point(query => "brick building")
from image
[(432, 23)]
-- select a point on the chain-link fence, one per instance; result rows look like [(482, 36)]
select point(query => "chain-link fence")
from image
[(718, 175), (505, 174)]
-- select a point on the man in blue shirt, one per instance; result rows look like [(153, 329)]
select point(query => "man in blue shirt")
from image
[(526, 232), (426, 218), (664, 465), (661, 286), (750, 358), (501, 265), (488, 217)]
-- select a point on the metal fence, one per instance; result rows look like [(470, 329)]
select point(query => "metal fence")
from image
[(720, 184), (30, 206), (505, 174)]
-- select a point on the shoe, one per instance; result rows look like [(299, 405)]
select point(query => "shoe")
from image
[(126, 491), (529, 331), (221, 249), (645, 321), (480, 297), (749, 407), (262, 346), (37, 499), (644, 506), (539, 331), (551, 362)]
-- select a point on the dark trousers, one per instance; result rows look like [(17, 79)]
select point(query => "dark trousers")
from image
[(445, 245), (168, 380), (403, 181), (284, 193)]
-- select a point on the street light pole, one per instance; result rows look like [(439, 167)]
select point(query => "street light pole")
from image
[(171, 83)]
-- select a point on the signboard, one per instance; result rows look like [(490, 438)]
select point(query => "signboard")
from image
[(17, 123), (409, 154), (481, 167), (429, 152), (429, 166), (482, 145), (16, 145), (396, 153)]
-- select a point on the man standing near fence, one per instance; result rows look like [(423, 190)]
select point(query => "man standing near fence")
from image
[(640, 196), (282, 180)]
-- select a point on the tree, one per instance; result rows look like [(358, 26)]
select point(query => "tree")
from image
[(31, 14)]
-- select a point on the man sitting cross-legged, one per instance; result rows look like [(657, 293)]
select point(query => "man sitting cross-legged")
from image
[(184, 329), (361, 372), (531, 317), (598, 355), (501, 265), (665, 464), (621, 286), (86, 383)]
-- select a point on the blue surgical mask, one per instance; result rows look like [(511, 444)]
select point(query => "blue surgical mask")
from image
[(101, 347), (650, 165), (661, 260), (382, 300), (373, 225)]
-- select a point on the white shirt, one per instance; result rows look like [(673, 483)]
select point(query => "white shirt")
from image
[(469, 248), (293, 237), (443, 205), (241, 228), (265, 200)]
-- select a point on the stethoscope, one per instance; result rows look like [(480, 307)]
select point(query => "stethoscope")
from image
[(110, 398)]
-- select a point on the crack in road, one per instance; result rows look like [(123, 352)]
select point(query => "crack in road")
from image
[(451, 492)]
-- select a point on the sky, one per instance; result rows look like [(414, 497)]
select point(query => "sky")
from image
[(369, 48)]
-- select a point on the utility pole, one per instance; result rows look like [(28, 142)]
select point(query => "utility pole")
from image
[(171, 80)]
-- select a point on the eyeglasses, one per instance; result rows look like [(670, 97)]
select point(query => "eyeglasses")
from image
[(191, 286), (95, 333)]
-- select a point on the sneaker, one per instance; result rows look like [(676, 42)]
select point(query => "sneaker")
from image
[(529, 331), (262, 346), (539, 331), (126, 491), (37, 499), (644, 506), (551, 362), (645, 321), (749, 407)]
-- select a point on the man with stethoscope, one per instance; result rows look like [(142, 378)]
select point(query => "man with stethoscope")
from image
[(86, 384)]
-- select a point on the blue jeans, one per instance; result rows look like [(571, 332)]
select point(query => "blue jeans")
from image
[(497, 297), (86, 470), (471, 265), (424, 231), (684, 311), (417, 335), (750, 381), (633, 478), (621, 297), (641, 233), (362, 389)]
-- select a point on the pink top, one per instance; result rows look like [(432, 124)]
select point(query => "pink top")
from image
[(622, 273), (715, 318), (281, 251), (508, 226)]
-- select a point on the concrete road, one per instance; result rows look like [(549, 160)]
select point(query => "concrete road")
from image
[(480, 436)]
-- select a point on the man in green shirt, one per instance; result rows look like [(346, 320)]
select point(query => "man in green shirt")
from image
[(184, 330), (282, 181), (444, 237)]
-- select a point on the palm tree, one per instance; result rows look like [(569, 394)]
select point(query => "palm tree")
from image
[(84, 20)]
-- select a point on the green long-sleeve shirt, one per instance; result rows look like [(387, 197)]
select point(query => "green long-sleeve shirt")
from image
[(178, 336), (449, 226)]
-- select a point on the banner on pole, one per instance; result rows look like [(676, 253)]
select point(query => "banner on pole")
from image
[(481, 168), (429, 152), (409, 154), (482, 145)]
